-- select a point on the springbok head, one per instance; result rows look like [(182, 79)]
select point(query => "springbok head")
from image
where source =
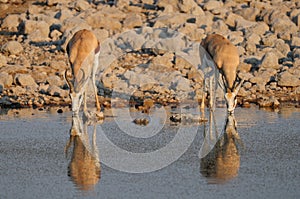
[(231, 96), (76, 91)]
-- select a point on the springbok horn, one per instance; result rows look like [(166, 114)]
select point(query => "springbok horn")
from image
[(70, 84), (238, 87)]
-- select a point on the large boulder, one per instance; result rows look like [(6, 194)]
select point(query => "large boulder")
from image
[(37, 31), (25, 80), (287, 79)]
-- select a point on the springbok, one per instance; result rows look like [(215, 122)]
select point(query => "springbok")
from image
[(84, 168), (222, 163), (83, 51), (226, 58)]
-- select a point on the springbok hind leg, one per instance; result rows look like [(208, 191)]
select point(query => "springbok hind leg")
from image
[(84, 102), (202, 108), (95, 91)]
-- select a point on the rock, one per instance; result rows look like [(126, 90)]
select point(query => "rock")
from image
[(248, 13), (192, 31), (231, 18), (25, 80), (55, 35), (133, 21), (288, 80), (34, 9), (101, 34), (259, 28), (212, 5), (296, 54), (73, 24), (63, 14), (165, 60), (98, 20), (295, 42), (270, 60), (236, 37), (253, 38), (269, 39), (57, 92), (6, 80), (268, 102), (181, 84), (55, 2), (37, 31), (168, 5), (247, 85), (243, 92), (260, 82), (250, 47), (3, 60), (244, 67), (297, 20), (12, 48), (11, 22), (141, 121), (242, 24), (54, 80), (170, 19), (220, 27), (190, 6), (282, 47), (81, 5), (282, 25)]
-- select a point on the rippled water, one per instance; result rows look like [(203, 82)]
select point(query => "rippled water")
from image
[(261, 158)]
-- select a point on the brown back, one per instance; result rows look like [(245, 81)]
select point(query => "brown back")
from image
[(225, 55), (82, 44)]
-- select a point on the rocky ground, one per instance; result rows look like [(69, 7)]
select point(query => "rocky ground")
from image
[(33, 35)]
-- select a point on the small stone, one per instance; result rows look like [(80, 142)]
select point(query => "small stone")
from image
[(3, 60), (12, 48)]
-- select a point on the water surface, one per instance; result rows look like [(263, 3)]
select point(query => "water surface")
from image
[(263, 163)]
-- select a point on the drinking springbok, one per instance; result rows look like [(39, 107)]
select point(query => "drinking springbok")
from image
[(83, 50), (226, 58)]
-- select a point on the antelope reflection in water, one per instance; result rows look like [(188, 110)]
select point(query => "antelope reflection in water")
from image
[(222, 163), (84, 168)]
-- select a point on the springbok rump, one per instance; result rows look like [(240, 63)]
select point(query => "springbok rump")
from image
[(226, 58), (83, 51)]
